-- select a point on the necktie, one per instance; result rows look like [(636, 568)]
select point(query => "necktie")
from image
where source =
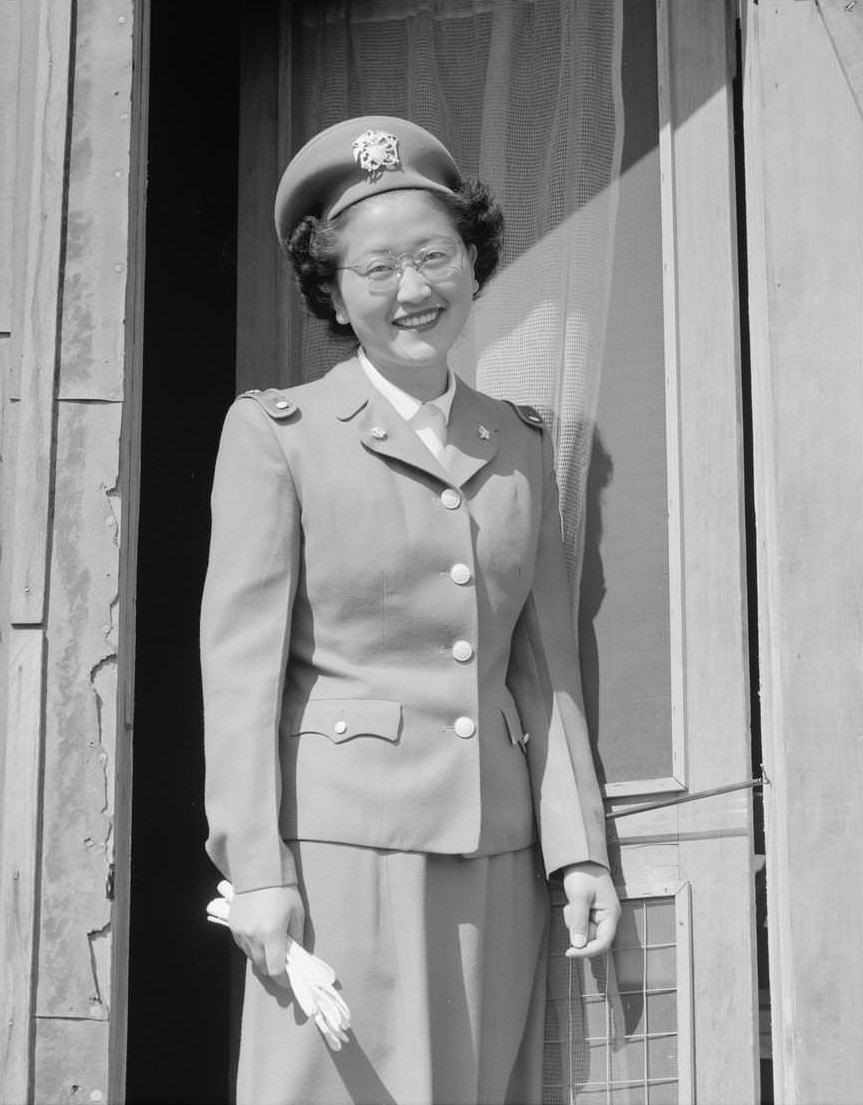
[(430, 427)]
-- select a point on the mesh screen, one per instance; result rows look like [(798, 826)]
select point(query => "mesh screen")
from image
[(526, 95)]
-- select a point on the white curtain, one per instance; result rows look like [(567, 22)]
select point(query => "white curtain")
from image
[(527, 96)]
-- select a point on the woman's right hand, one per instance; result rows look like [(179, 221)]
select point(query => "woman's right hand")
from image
[(261, 921)]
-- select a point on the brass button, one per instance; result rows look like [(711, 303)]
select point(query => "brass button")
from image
[(462, 651), (450, 498), (460, 573), (340, 727)]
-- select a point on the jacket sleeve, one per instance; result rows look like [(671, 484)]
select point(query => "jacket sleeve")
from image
[(245, 629), (545, 680)]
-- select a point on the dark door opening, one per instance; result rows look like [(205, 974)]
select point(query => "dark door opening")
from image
[(178, 1041)]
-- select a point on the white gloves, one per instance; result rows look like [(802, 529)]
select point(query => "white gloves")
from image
[(311, 979)]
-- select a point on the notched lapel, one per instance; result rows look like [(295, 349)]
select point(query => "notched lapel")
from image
[(384, 432), (473, 435)]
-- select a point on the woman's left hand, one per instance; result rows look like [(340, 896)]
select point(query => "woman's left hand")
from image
[(592, 909)]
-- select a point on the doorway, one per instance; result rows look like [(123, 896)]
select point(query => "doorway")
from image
[(685, 869), (180, 965)]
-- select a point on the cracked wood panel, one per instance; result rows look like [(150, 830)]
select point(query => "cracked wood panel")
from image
[(19, 817), (80, 717), (37, 274), (94, 275), (9, 33)]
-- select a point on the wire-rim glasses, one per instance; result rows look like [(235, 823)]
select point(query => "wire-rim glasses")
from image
[(383, 272)]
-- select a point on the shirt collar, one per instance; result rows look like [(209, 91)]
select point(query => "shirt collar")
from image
[(406, 405)]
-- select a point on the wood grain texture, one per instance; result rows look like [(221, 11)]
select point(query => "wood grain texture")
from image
[(129, 486), (715, 834), (804, 164), (95, 263), (70, 1063), (80, 716), (10, 18), (37, 275), (19, 875)]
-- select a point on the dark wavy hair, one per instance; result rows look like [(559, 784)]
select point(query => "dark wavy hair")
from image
[(314, 246)]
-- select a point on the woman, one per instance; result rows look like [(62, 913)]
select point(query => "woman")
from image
[(396, 749)]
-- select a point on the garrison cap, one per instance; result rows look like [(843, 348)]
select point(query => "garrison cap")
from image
[(358, 158)]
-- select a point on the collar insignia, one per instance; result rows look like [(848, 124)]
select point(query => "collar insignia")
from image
[(375, 151)]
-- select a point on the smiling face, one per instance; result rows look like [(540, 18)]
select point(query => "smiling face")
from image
[(406, 330)]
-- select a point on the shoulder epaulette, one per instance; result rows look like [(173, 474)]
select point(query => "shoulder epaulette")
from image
[(528, 414), (275, 402)]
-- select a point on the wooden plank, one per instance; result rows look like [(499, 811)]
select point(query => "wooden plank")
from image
[(19, 878), (94, 273), (10, 17), (804, 163), (80, 716), (8, 420), (716, 864), (129, 488), (36, 311), (70, 1063), (258, 261)]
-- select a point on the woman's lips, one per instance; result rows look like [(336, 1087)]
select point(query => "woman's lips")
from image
[(420, 320)]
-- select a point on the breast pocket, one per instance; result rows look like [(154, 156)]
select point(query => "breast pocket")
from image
[(344, 719)]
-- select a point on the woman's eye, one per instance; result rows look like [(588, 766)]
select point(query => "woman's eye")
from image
[(377, 270), (433, 256)]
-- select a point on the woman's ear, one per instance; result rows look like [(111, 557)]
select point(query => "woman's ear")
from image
[(338, 305), (471, 254)]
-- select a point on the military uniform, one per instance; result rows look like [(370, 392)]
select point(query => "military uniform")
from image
[(392, 692)]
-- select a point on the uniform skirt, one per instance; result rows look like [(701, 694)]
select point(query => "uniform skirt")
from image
[(442, 962)]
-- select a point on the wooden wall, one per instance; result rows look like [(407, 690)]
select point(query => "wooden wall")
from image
[(803, 88), (70, 197)]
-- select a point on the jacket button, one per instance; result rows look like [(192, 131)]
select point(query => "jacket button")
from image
[(462, 651), (450, 498), (340, 727), (459, 573), (464, 727)]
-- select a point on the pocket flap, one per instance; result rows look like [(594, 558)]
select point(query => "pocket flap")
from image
[(513, 723), (341, 719)]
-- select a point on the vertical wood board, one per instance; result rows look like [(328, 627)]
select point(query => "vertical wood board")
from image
[(36, 310), (710, 406), (129, 488), (80, 720), (94, 272), (715, 834), (70, 1063), (19, 876), (804, 162), (10, 16)]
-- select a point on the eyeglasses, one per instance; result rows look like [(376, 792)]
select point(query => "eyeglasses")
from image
[(434, 262)]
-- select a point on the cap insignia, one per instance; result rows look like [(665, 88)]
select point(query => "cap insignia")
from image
[(375, 151)]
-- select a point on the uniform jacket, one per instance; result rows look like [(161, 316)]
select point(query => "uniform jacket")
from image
[(387, 647)]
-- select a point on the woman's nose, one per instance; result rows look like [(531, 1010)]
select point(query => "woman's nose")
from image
[(412, 285)]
